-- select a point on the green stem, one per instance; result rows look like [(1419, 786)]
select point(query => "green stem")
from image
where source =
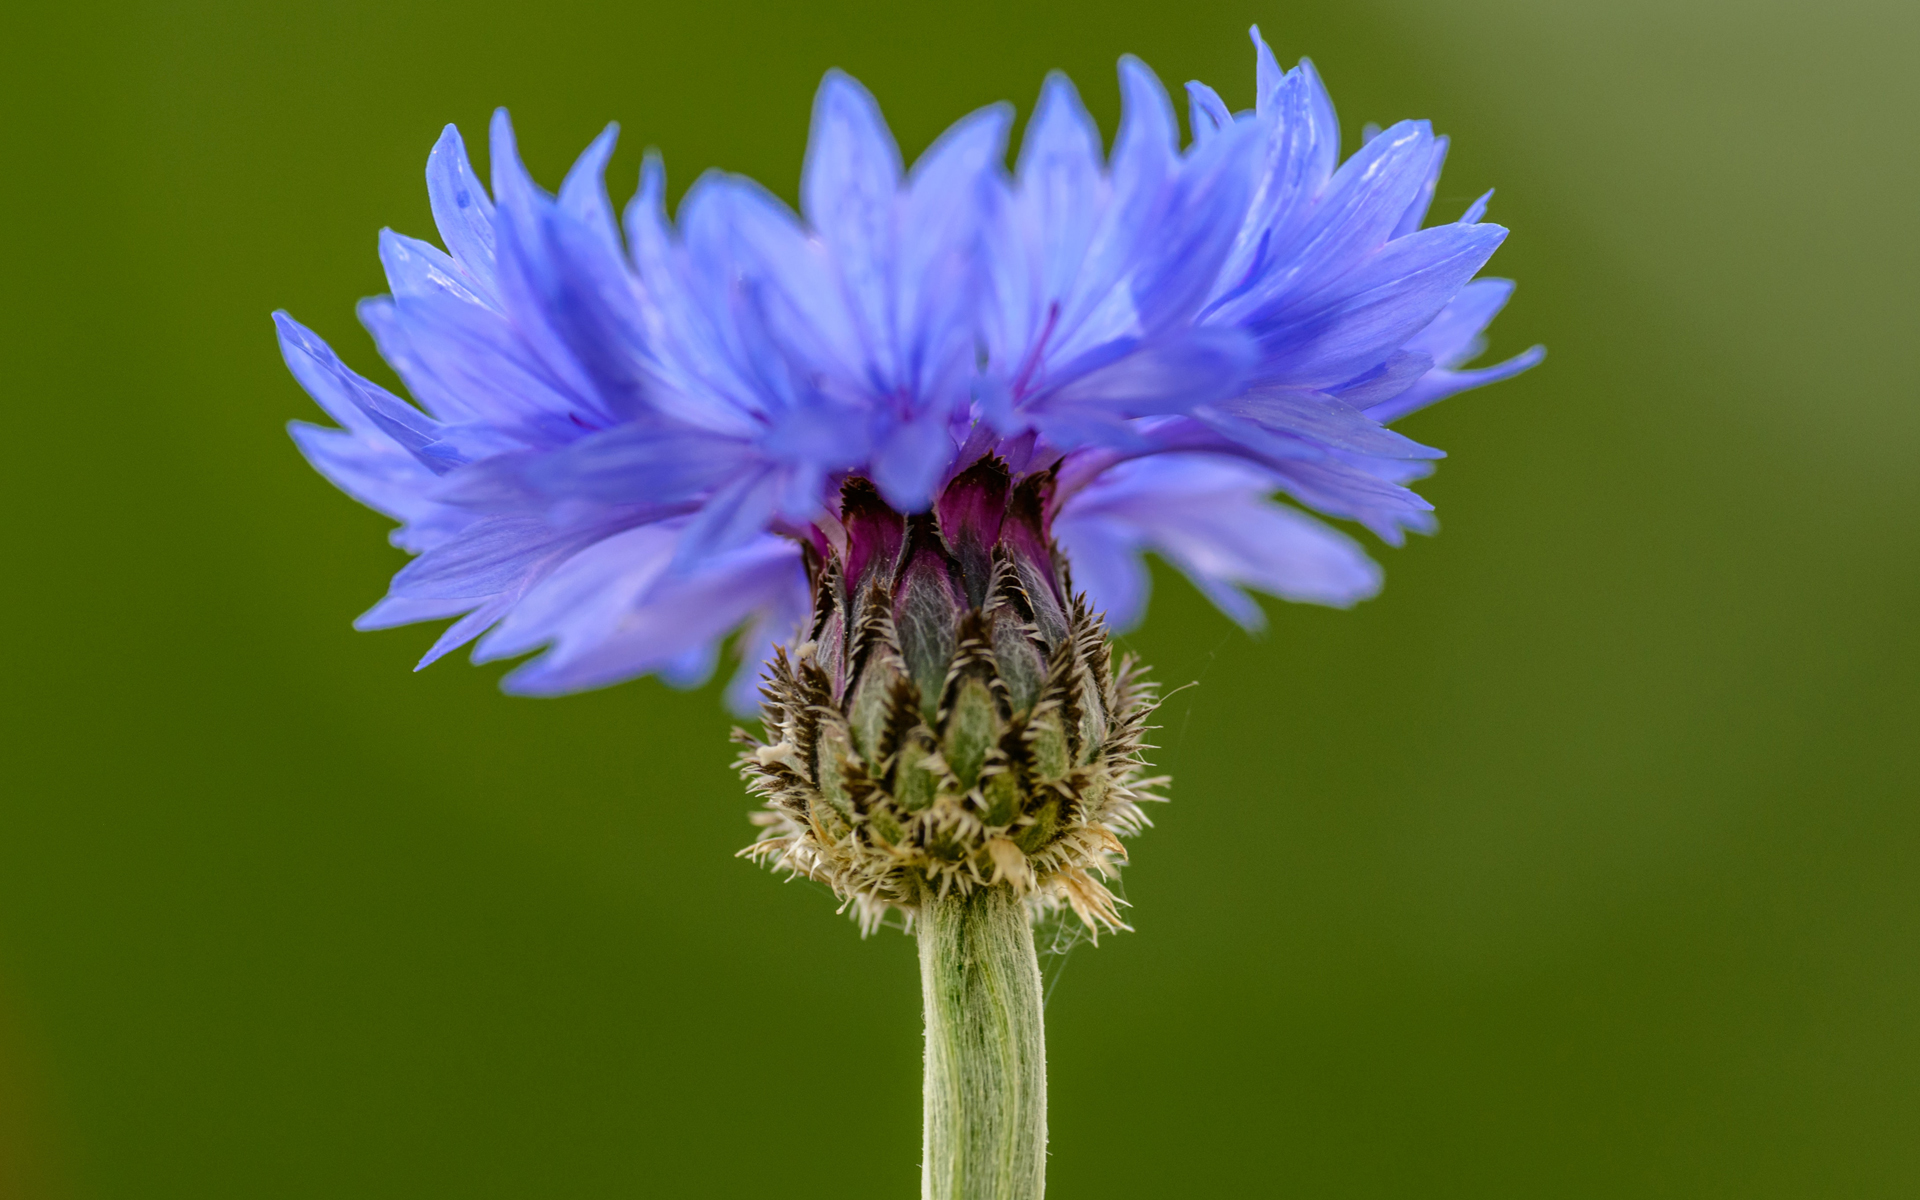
[(986, 1082)]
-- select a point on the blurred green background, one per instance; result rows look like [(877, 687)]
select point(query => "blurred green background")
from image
[(1584, 862)]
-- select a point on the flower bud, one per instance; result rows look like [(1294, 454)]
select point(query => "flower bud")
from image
[(953, 719)]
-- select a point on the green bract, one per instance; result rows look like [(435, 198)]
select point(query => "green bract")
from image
[(954, 719)]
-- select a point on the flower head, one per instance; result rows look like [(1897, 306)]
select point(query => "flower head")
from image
[(633, 437)]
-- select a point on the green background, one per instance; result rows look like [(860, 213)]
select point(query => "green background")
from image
[(1583, 862)]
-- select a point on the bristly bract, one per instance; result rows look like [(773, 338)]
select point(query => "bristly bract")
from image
[(954, 718)]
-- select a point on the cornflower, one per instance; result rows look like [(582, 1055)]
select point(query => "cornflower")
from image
[(908, 447)]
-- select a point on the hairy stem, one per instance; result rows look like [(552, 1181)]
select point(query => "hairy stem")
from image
[(986, 1067)]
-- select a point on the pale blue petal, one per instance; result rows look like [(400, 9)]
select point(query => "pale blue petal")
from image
[(372, 470), (1174, 373), (1207, 113), (910, 460), (662, 621), (1375, 308), (1302, 150), (416, 269), (1439, 384), (466, 362), (492, 556), (691, 667), (467, 628), (462, 210), (849, 189), (648, 462), (1416, 213), (1105, 557), (362, 405), (1323, 419), (1400, 371), (939, 259), (734, 515), (1341, 490), (395, 611), (1213, 520), (1454, 337), (786, 603), (1147, 146), (1208, 202), (1354, 217), (583, 193), (586, 598)]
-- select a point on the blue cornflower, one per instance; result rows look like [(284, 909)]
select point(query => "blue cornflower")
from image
[(634, 437)]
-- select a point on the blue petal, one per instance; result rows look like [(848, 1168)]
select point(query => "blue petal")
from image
[(462, 210), (360, 404), (613, 612), (697, 361), (1174, 373), (1057, 214), (748, 256), (848, 190), (1416, 213), (853, 165), (1105, 554), (466, 629), (395, 340), (1361, 488), (910, 461), (1145, 155), (584, 600), (1213, 520), (1454, 337), (733, 516), (1207, 113), (1341, 490), (1375, 308), (493, 556), (568, 291), (468, 363), (641, 462), (1045, 223), (1267, 75), (1303, 148), (583, 193), (395, 611), (1439, 384), (1323, 419), (1142, 168), (649, 239), (940, 273), (1399, 372), (372, 470), (691, 667), (1205, 208), (1353, 218), (1059, 165), (416, 269), (1147, 146), (320, 372), (492, 564)]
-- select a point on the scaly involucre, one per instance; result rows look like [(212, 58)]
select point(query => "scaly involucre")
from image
[(954, 719), (634, 438)]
